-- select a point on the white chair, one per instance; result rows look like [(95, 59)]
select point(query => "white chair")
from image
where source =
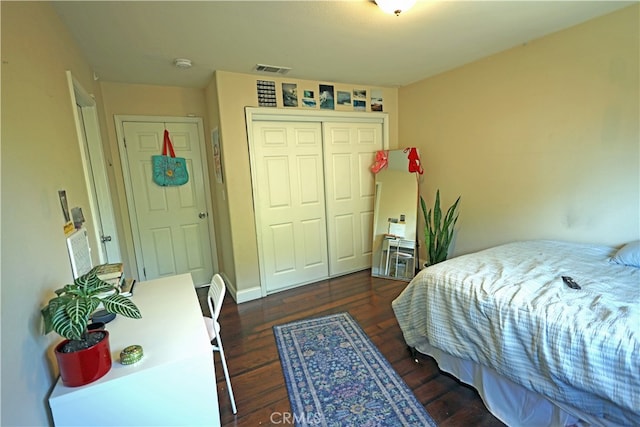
[(215, 297), (402, 255)]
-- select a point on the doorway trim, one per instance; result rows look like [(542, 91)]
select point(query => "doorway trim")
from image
[(256, 114), (126, 175), (263, 114), (94, 170)]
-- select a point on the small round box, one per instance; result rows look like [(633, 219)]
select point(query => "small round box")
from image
[(131, 354)]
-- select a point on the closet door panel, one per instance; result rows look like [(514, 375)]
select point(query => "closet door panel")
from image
[(282, 237), (290, 204), (367, 184), (349, 151), (345, 247), (314, 246), (341, 167), (278, 182), (310, 189), (366, 232)]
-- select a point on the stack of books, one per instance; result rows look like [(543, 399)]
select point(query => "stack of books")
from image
[(113, 273), (110, 273)]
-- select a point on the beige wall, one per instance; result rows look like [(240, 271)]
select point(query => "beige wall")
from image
[(142, 100), (235, 92), (40, 155), (541, 141), (221, 218)]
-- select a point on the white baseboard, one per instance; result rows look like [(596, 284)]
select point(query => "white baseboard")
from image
[(247, 294), (243, 295)]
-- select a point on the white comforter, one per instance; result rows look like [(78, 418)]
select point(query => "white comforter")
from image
[(508, 308)]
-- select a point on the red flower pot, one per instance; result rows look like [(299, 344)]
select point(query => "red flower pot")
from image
[(84, 366)]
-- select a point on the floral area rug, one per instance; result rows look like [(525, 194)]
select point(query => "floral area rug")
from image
[(335, 376)]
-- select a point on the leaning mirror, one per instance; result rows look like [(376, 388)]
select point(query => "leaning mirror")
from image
[(395, 214)]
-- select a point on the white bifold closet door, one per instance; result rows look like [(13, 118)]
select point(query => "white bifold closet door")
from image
[(290, 204), (349, 152), (314, 194)]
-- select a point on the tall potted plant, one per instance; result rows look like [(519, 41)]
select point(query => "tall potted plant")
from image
[(438, 229), (84, 356)]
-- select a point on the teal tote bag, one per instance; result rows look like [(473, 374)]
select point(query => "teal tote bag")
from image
[(169, 170)]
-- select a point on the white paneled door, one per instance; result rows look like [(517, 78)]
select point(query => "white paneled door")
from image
[(172, 222), (349, 152), (289, 191)]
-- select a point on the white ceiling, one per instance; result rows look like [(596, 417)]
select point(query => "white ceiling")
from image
[(333, 41)]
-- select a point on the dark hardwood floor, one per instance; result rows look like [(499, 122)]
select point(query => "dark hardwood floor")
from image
[(254, 365)]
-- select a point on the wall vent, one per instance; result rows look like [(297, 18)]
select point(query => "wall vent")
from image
[(274, 69)]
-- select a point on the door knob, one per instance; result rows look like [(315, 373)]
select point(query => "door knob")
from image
[(202, 215)]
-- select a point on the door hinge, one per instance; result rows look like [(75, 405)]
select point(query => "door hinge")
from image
[(144, 272)]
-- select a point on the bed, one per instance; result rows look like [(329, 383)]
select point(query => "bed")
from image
[(539, 352)]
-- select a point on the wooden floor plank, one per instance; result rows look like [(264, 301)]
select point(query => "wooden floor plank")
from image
[(254, 364)]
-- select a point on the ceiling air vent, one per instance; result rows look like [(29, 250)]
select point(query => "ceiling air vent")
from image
[(272, 69)]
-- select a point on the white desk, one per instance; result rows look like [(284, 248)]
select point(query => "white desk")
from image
[(174, 384)]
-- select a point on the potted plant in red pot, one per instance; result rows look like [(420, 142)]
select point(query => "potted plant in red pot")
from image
[(84, 356)]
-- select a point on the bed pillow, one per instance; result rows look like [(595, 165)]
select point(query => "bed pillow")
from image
[(629, 254)]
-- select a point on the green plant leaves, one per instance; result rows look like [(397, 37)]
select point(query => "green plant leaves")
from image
[(438, 233), (92, 285), (121, 305), (68, 313)]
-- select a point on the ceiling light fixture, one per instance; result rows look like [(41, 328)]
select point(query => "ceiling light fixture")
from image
[(395, 7), (182, 63)]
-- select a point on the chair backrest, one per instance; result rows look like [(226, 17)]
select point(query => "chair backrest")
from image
[(215, 296), (397, 229)]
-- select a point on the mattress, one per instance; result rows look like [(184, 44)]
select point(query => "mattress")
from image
[(508, 309)]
